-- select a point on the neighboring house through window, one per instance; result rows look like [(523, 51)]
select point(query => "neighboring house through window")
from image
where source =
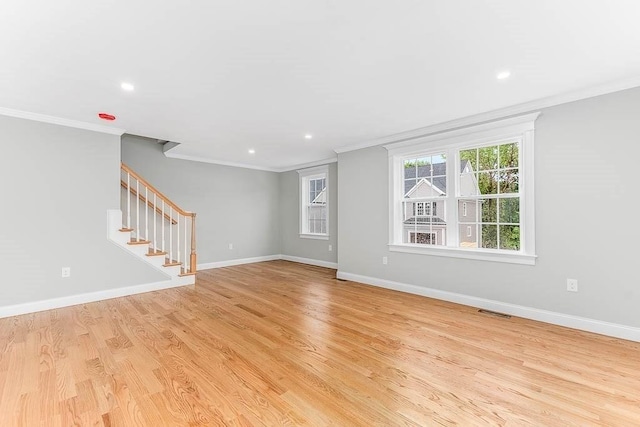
[(314, 203), (466, 193)]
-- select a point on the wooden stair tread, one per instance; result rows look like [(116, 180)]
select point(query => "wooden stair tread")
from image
[(126, 230), (138, 242), (187, 274), (168, 263), (157, 253)]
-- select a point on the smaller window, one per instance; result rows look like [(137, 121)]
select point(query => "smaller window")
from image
[(314, 203), (464, 205), (424, 209), (468, 231)]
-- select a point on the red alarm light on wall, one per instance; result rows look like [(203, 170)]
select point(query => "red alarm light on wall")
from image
[(106, 116)]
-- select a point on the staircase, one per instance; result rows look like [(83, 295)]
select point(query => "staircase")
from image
[(153, 228)]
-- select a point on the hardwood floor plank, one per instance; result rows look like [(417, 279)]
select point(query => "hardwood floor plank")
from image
[(280, 343)]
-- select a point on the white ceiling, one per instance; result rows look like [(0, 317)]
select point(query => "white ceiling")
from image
[(221, 77)]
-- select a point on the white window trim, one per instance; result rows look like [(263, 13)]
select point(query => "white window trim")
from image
[(521, 128), (304, 176)]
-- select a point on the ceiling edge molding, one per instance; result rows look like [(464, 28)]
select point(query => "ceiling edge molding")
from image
[(171, 155), (60, 121), (526, 107), (310, 164)]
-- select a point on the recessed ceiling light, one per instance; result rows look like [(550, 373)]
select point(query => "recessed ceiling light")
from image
[(503, 75), (127, 86), (252, 151), (308, 136)]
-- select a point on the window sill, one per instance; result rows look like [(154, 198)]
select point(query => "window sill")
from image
[(314, 236), (480, 255)]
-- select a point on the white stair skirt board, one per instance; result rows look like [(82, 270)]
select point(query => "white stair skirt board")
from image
[(32, 307), (114, 224), (240, 261), (582, 323)]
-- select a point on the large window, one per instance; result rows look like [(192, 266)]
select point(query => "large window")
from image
[(466, 193), (314, 203)]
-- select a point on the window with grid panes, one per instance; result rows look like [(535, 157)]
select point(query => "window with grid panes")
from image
[(314, 202), (466, 193)]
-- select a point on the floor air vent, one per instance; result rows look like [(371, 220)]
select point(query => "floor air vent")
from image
[(494, 313)]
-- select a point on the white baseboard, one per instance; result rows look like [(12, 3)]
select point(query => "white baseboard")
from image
[(239, 261), (310, 261), (32, 307), (575, 322)]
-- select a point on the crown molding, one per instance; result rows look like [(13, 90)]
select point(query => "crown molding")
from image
[(171, 155), (513, 110), (513, 124), (310, 164), (60, 121)]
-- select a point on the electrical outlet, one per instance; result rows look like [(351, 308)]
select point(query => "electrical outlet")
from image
[(66, 271), (385, 260), (330, 248), (230, 246), (572, 285)]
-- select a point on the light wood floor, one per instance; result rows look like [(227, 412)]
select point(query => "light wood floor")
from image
[(280, 343)]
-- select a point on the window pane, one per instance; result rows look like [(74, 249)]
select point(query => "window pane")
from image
[(423, 166), (317, 219), (426, 188), (488, 157), (409, 168), (510, 237), (468, 236), (419, 227), (409, 185), (489, 236), (439, 183), (410, 210), (469, 184), (471, 156), (315, 188), (425, 176), (509, 155), (488, 183), (439, 169), (509, 181), (472, 208), (489, 210), (510, 210)]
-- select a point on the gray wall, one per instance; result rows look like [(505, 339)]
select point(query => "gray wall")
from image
[(233, 205), (57, 185), (291, 243), (586, 178)]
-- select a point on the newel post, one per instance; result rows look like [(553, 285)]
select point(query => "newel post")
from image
[(192, 262)]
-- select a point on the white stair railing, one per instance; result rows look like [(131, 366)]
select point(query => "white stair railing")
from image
[(173, 229)]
